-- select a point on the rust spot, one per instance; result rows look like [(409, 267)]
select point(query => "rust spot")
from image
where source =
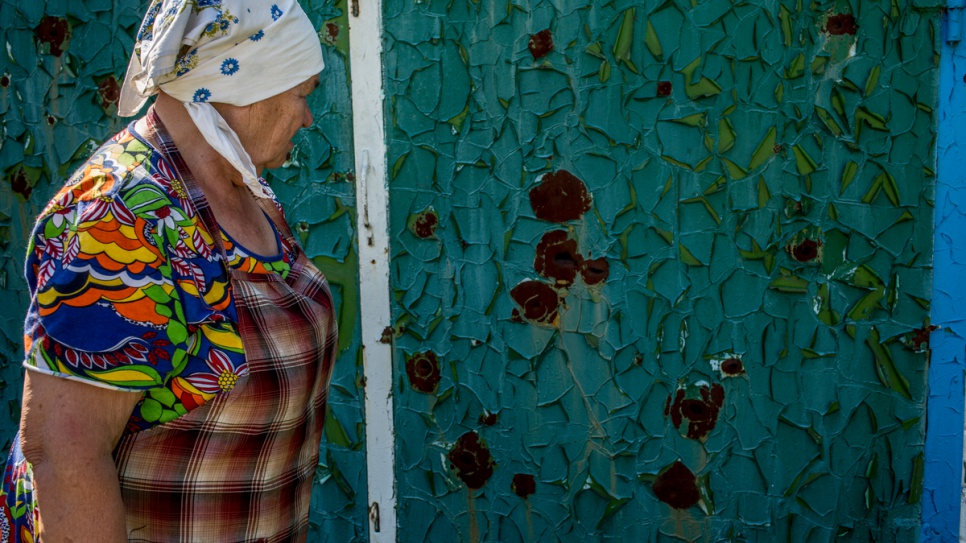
[(110, 92), (5, 80), (838, 25), (423, 371), (538, 301), (557, 257), (541, 43), (732, 367), (677, 486), (55, 32), (559, 197), (805, 250), (20, 184), (488, 419), (716, 394), (424, 223), (778, 148), (918, 339), (701, 412), (595, 271), (664, 88), (330, 33), (387, 334), (470, 459), (51, 120), (639, 359), (523, 485)]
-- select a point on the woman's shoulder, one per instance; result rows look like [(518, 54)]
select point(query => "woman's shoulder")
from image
[(124, 214), (104, 173), (126, 172), (127, 182), (121, 246)]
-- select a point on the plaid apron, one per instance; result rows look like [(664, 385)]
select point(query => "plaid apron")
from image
[(240, 467)]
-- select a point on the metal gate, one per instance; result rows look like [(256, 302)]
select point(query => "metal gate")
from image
[(660, 270), (631, 271)]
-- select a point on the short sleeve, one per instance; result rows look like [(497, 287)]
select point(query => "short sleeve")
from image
[(103, 295), (127, 289)]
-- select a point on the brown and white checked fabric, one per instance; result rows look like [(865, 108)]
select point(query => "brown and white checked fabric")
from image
[(240, 467)]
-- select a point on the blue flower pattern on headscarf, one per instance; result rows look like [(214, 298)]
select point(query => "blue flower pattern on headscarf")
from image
[(146, 32), (209, 21), (202, 95), (229, 66), (221, 24), (186, 63), (175, 9)]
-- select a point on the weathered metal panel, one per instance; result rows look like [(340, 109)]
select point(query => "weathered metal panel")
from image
[(661, 269), (58, 91)]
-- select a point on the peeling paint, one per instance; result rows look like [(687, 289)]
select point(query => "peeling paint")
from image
[(731, 197)]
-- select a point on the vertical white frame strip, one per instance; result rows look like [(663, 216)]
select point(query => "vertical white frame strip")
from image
[(372, 226)]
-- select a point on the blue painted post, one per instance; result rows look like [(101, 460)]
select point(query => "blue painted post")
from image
[(943, 476)]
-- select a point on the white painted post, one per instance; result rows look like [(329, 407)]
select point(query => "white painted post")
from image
[(365, 56)]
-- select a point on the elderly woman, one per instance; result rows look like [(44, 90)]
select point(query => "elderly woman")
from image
[(179, 343)]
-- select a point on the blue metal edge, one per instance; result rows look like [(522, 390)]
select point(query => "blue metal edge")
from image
[(943, 474)]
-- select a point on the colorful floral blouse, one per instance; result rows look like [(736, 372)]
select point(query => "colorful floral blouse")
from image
[(129, 292), (121, 248)]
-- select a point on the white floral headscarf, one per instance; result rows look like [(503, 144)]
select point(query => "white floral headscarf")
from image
[(235, 52)]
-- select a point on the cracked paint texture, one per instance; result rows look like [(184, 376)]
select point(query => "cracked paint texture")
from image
[(680, 259), (59, 87)]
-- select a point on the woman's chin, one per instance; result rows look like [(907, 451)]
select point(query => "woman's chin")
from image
[(276, 163)]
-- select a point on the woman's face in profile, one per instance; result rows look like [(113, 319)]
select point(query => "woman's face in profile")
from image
[(266, 128)]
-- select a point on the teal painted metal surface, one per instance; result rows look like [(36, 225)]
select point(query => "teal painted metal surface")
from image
[(725, 339), (58, 91)]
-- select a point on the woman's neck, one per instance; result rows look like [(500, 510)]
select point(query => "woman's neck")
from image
[(231, 201), (210, 170)]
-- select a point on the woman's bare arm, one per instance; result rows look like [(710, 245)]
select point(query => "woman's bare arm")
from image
[(68, 431)]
